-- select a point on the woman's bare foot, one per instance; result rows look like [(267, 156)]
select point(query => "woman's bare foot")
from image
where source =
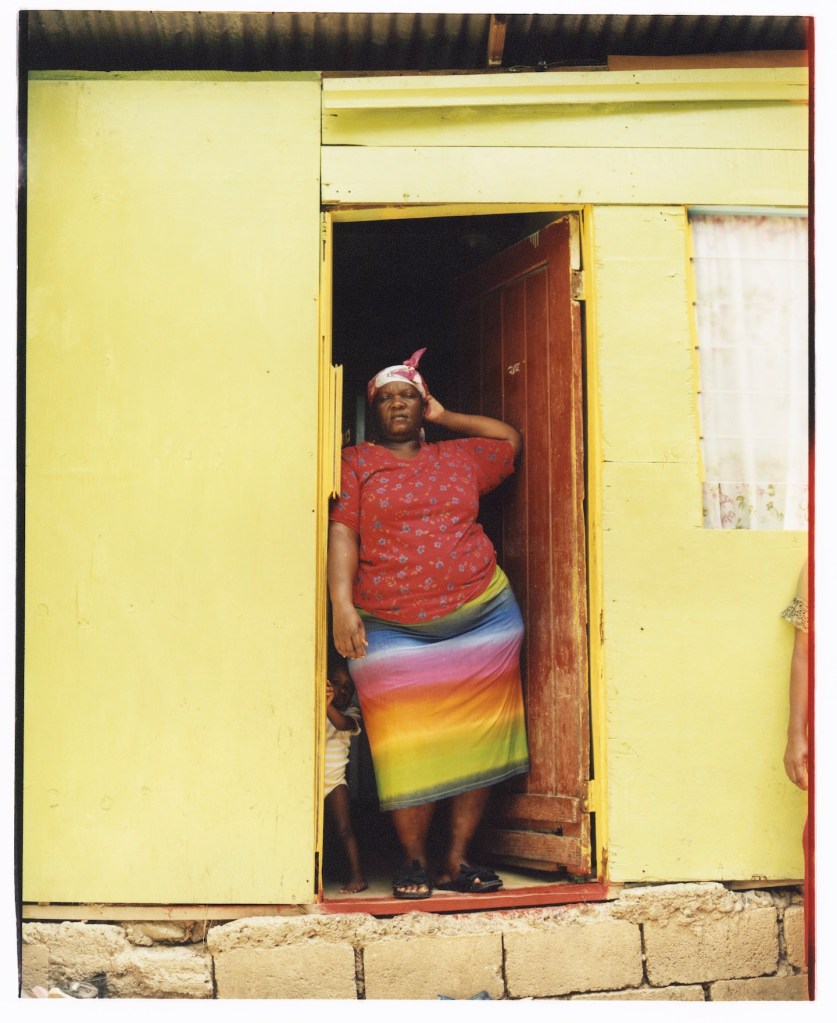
[(356, 884)]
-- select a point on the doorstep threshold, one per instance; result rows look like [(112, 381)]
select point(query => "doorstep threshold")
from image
[(454, 902)]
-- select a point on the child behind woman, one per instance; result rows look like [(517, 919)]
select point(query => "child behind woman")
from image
[(343, 722)]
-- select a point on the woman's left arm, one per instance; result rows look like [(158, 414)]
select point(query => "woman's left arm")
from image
[(796, 749), (471, 426)]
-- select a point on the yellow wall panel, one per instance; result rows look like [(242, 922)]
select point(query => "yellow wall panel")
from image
[(697, 687), (171, 445), (696, 655), (399, 174), (645, 343)]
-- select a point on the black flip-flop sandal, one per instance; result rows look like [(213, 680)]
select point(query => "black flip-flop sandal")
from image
[(413, 876), (472, 881)]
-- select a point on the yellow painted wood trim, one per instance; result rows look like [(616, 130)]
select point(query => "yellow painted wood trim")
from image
[(661, 177), (338, 431), (199, 912), (597, 793), (325, 472), (682, 86), (594, 797), (328, 429), (350, 214), (715, 125), (744, 58), (195, 75)]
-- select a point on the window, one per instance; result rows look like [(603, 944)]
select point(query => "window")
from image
[(751, 292)]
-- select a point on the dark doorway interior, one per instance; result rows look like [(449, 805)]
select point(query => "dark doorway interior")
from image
[(392, 294)]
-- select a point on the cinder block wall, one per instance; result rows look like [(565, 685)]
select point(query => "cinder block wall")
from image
[(680, 942)]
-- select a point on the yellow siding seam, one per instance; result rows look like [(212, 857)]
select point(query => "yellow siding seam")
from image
[(695, 345), (595, 571)]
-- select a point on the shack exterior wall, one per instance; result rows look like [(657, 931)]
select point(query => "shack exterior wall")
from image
[(690, 679)]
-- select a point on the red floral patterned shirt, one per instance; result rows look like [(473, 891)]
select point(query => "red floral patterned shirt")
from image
[(422, 552)]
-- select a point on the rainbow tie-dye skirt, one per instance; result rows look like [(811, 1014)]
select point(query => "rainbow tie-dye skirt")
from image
[(442, 701)]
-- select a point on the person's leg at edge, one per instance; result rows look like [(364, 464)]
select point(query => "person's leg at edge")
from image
[(339, 809), (467, 810), (412, 824)]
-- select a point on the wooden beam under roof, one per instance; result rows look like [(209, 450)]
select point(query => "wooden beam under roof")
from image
[(496, 40)]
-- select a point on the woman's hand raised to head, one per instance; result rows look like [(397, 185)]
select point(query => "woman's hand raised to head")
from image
[(433, 410), (471, 425)]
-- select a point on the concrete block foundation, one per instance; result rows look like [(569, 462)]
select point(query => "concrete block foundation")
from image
[(673, 942), (794, 931), (576, 955), (686, 993), (787, 988), (452, 965), (80, 951), (290, 971), (745, 944)]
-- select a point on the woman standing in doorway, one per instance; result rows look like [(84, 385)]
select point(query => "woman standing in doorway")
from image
[(428, 621)]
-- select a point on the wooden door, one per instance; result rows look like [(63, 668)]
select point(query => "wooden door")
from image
[(520, 334)]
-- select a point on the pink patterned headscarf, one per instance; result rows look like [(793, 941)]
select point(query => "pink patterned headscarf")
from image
[(405, 371)]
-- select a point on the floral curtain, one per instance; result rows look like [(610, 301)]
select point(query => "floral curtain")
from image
[(751, 285)]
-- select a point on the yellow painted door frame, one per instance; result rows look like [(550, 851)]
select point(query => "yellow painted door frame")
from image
[(329, 404)]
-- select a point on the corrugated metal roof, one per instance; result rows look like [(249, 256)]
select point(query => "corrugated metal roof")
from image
[(370, 42)]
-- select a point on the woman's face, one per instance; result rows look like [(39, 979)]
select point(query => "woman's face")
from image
[(399, 411)]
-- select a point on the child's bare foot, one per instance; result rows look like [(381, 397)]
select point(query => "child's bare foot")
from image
[(356, 884)]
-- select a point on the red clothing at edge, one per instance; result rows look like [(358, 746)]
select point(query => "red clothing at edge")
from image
[(422, 552)]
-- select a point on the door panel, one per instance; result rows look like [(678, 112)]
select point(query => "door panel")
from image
[(171, 490), (528, 346)]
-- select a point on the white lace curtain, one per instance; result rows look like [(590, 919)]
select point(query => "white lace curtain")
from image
[(751, 284)]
